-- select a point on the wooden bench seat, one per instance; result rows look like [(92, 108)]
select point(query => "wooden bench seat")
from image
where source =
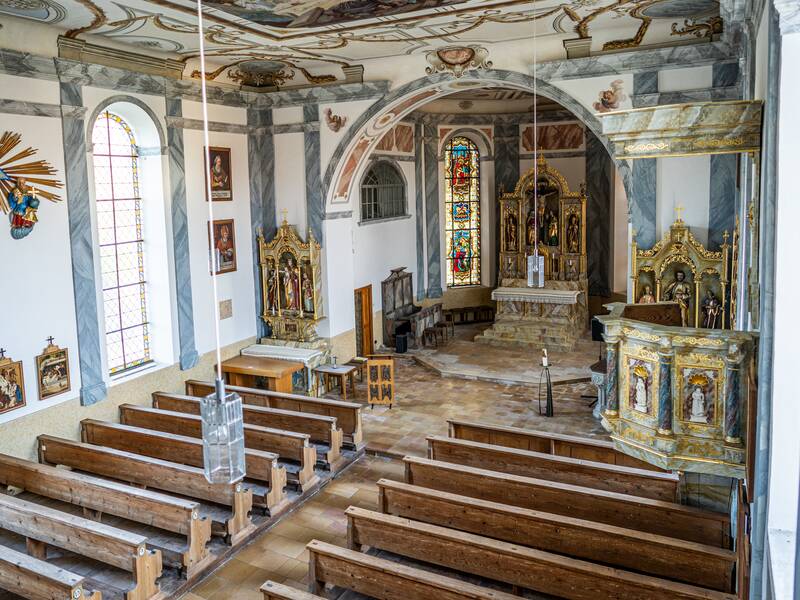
[(277, 591), (320, 428), (103, 496), (347, 414), (35, 579), (44, 526), (661, 556), (513, 564), (154, 473), (634, 512), (383, 579), (601, 476), (261, 466), (287, 445), (558, 444)]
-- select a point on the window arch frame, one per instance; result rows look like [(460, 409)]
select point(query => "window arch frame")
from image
[(473, 229), (402, 183), (111, 289)]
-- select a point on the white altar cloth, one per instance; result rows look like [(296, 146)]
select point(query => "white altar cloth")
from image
[(536, 295), (310, 357)]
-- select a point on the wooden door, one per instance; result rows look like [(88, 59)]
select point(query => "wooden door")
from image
[(365, 344)]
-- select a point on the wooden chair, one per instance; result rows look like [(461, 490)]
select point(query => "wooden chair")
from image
[(429, 336), (442, 332), (450, 321)]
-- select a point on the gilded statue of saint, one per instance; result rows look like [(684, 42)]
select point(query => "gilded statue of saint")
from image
[(573, 235), (647, 296), (511, 231), (681, 292), (712, 308)]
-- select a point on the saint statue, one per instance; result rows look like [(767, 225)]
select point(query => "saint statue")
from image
[(679, 291), (291, 286), (511, 231), (573, 235), (712, 308), (272, 284), (531, 228), (308, 294), (552, 229), (647, 296), (23, 204), (698, 406), (641, 395)]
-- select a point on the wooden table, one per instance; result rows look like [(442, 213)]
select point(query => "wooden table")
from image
[(246, 371), (342, 374)]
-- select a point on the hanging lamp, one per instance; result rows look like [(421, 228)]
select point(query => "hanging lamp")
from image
[(220, 411), (535, 262)]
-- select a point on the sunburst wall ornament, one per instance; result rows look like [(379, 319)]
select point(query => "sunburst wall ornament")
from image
[(19, 196)]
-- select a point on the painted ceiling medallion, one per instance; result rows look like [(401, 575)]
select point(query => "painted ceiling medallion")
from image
[(457, 60)]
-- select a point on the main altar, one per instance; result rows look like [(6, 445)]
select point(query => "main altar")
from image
[(543, 214)]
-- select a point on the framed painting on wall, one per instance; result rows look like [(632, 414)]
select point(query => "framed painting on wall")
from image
[(52, 371), (223, 247), (219, 173), (12, 385)]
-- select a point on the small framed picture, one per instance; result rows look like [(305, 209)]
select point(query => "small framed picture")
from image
[(12, 385), (52, 371), (219, 173), (223, 247)]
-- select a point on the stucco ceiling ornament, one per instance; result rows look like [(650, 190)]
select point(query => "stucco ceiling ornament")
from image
[(457, 60), (334, 122)]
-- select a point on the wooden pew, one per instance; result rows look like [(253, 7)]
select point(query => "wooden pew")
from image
[(286, 444), (35, 579), (320, 429), (103, 496), (545, 442), (624, 480), (661, 556), (383, 579), (348, 414), (277, 591), (634, 512), (517, 565), (155, 473), (44, 526), (261, 466)]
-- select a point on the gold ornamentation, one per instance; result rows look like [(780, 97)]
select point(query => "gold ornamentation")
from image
[(99, 19), (719, 143), (707, 28), (640, 335), (698, 341), (646, 147)]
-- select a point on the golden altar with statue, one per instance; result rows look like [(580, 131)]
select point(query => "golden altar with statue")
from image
[(542, 212)]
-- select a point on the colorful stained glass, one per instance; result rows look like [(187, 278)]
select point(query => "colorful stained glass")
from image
[(462, 212), (119, 223)]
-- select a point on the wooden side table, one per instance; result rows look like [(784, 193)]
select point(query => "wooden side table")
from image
[(342, 374), (245, 371)]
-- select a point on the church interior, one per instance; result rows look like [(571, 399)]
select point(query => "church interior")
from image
[(399, 299)]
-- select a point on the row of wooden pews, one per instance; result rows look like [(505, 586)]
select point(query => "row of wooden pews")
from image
[(128, 507), (499, 512)]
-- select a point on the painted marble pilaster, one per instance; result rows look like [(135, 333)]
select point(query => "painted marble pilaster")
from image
[(419, 178), (643, 202), (315, 210), (93, 387), (722, 199), (612, 369), (733, 419), (180, 239), (725, 74), (665, 408), (432, 226), (261, 163), (506, 173), (598, 215)]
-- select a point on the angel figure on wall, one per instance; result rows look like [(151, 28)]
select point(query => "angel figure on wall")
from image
[(23, 203)]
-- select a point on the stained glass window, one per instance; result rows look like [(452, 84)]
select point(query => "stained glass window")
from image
[(462, 212), (119, 223)]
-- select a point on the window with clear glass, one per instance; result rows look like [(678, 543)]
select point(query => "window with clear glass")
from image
[(462, 212), (383, 193), (119, 223)]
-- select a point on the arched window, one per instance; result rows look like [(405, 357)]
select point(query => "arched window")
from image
[(383, 192), (462, 212), (119, 225)]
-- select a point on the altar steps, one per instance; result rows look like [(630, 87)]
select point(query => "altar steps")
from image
[(533, 335)]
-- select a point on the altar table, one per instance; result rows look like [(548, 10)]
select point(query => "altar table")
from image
[(246, 371)]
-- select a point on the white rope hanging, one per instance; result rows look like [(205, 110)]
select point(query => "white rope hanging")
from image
[(535, 146)]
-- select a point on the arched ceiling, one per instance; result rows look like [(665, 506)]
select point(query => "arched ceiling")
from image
[(301, 42)]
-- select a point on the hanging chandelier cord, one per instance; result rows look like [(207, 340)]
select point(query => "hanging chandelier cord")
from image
[(535, 146), (220, 387)]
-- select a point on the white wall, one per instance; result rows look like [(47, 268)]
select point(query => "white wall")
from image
[(686, 182), (290, 180)]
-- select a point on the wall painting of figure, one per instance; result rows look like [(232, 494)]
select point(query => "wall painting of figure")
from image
[(52, 371), (12, 385), (223, 247), (220, 173)]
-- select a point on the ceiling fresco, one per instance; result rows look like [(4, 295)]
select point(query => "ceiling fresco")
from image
[(260, 43)]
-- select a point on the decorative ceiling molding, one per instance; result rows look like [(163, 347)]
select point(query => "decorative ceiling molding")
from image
[(81, 51), (457, 60)]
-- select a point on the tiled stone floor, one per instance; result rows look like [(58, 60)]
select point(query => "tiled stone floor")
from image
[(424, 400)]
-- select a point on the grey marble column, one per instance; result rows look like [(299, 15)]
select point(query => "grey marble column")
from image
[(612, 397), (261, 162), (180, 238), (598, 216), (643, 203), (419, 184), (431, 141), (733, 419), (315, 210), (506, 173), (665, 408), (93, 387), (722, 199)]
